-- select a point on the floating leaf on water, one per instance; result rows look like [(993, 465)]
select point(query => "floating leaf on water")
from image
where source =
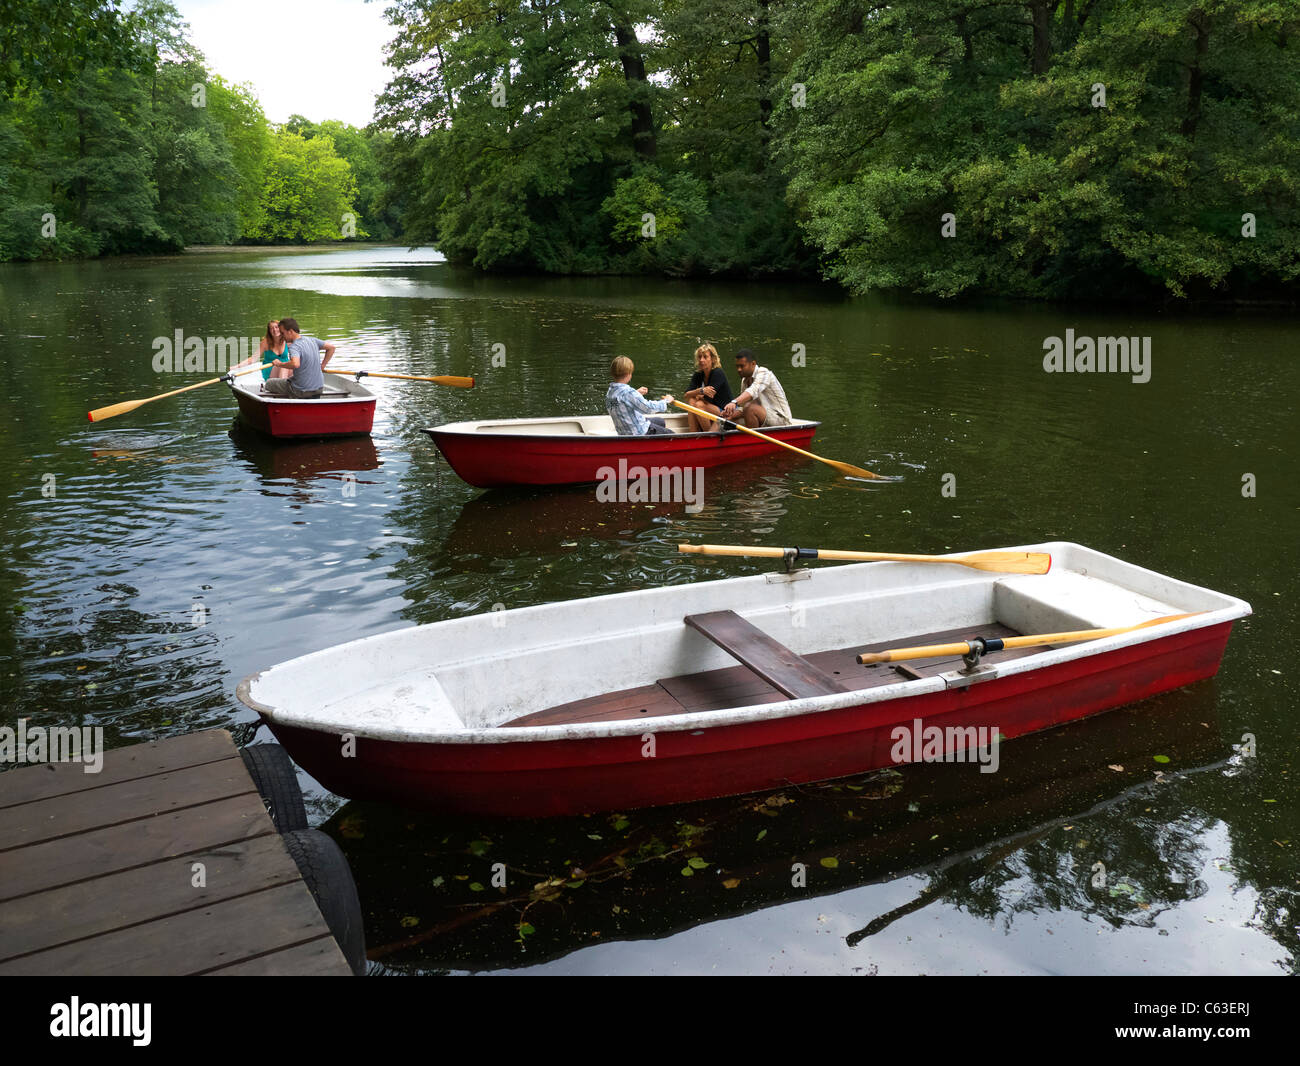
[(761, 834), (576, 884), (526, 929), (830, 862), (438, 881), (687, 872), (594, 836), (478, 847), (695, 862), (1116, 767), (621, 824), (731, 882), (1160, 758), (913, 806), (935, 837), (474, 886), (410, 921)]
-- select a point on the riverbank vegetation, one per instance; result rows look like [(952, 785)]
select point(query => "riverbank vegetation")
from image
[(115, 137), (1059, 149), (1084, 148)]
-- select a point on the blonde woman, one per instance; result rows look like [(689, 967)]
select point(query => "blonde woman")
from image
[(709, 390)]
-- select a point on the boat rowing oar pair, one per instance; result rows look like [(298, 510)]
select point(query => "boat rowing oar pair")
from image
[(999, 562), (113, 410), (844, 468)]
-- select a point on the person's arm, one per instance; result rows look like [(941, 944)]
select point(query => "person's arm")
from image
[(650, 407), (755, 389), (329, 354)]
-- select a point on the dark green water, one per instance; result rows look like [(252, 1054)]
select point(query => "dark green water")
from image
[(168, 516)]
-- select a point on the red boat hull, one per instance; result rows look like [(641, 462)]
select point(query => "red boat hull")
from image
[(542, 778), (306, 418), (501, 459)]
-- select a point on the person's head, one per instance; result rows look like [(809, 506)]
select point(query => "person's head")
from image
[(273, 332), (621, 368), (706, 358), (745, 363), (289, 327)]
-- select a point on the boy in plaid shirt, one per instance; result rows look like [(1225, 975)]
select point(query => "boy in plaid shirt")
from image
[(628, 407)]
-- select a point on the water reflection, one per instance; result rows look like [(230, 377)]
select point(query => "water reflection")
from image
[(302, 460), (991, 844)]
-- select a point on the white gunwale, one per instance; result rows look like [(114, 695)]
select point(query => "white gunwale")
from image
[(421, 684)]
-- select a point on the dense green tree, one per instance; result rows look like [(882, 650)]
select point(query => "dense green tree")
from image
[(307, 190), (363, 150), (1100, 149), (248, 134)]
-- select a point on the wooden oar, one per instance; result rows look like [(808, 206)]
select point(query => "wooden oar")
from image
[(113, 410), (445, 379), (1001, 562), (932, 651), (846, 468)]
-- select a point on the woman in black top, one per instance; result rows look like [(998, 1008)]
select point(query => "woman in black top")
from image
[(709, 389)]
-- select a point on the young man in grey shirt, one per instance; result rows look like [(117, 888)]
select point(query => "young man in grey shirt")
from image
[(303, 354)]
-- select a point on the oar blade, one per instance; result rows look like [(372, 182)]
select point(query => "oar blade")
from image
[(454, 382), (113, 410), (1008, 562)]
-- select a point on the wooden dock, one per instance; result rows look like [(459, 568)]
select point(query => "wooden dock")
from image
[(98, 872)]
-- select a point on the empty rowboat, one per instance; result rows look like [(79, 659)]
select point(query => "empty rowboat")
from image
[(344, 408), (719, 688), (577, 450)]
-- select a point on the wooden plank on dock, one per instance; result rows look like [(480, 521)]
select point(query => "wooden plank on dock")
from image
[(138, 760), (126, 801), (98, 871)]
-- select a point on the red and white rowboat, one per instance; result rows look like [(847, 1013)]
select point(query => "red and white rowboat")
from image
[(574, 451), (634, 700), (343, 409)]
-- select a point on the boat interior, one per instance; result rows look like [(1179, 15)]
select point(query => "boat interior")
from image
[(678, 650), (580, 425), (769, 673), (337, 387)]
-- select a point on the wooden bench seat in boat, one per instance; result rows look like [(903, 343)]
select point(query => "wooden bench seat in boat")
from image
[(769, 659)]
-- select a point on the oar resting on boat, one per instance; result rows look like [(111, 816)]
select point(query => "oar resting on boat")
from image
[(1001, 562), (442, 379), (981, 645)]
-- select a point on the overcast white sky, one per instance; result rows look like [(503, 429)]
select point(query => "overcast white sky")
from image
[(329, 60)]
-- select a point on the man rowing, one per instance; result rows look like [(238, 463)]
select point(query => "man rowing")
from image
[(759, 383), (303, 355)]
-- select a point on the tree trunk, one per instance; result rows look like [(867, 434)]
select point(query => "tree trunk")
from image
[(763, 46), (629, 52), (1041, 14), (1200, 24)]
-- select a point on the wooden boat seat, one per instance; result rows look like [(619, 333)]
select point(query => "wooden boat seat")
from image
[(776, 664)]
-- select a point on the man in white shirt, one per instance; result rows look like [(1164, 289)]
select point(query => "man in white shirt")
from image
[(759, 383)]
